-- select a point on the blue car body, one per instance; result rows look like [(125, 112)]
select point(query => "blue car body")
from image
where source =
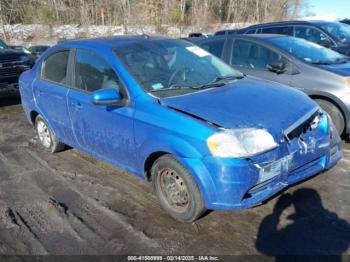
[(133, 135)]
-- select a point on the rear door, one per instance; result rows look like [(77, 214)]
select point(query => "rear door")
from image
[(252, 58), (215, 47), (50, 91), (106, 131)]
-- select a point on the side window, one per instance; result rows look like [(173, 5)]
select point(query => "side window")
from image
[(281, 30), (310, 34), (220, 33), (252, 55), (215, 47), (55, 67), (92, 72), (250, 32)]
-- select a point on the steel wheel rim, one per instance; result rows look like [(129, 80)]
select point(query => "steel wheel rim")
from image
[(44, 134), (173, 190)]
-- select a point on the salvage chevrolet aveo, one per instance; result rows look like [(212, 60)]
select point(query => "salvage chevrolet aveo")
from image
[(207, 136)]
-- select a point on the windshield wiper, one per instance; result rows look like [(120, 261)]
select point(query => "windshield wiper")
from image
[(337, 61), (341, 61), (318, 62), (173, 87), (219, 81)]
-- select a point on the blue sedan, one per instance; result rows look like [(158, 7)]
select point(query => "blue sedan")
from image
[(207, 136)]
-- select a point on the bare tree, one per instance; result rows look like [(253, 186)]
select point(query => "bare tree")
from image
[(198, 13)]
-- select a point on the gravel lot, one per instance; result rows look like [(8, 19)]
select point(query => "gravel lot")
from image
[(70, 203)]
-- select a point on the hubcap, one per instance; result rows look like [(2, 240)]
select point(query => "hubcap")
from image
[(44, 134), (173, 190)]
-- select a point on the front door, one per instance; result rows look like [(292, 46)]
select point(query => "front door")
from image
[(105, 131), (252, 59)]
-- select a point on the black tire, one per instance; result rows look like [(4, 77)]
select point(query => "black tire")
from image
[(52, 144), (334, 113), (194, 207)]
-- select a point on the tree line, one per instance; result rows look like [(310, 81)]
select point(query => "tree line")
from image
[(196, 13)]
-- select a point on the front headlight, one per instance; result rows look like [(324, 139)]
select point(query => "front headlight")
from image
[(240, 143)]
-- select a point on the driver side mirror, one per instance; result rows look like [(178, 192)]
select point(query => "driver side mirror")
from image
[(277, 67), (107, 96)]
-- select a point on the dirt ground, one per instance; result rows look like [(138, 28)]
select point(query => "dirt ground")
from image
[(70, 203)]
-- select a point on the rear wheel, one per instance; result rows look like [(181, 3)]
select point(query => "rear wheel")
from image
[(176, 190), (334, 113), (46, 137)]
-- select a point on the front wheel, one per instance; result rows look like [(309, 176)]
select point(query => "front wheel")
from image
[(335, 114), (176, 190)]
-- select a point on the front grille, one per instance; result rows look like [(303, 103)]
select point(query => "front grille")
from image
[(10, 71), (302, 125), (12, 67), (3, 85)]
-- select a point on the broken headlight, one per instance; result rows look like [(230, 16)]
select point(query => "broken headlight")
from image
[(240, 143)]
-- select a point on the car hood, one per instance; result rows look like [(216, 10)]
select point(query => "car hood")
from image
[(340, 69), (7, 54), (249, 102)]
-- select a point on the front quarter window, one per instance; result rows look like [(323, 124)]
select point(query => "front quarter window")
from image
[(172, 67)]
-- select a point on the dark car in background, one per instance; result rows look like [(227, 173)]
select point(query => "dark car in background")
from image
[(3, 45), (227, 32), (20, 48), (346, 21), (332, 35), (38, 50), (12, 64), (318, 71)]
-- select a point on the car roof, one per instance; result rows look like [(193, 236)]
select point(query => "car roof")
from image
[(243, 36), (110, 42), (228, 30), (292, 22)]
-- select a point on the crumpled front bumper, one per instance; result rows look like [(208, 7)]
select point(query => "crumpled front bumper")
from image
[(228, 184)]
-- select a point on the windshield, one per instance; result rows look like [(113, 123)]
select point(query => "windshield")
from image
[(308, 51), (339, 30), (173, 67)]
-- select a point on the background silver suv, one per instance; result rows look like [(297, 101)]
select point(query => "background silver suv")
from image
[(320, 72)]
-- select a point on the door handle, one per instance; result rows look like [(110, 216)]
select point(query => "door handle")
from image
[(77, 105), (39, 92)]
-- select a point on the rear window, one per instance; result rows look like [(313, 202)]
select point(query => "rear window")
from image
[(215, 47), (55, 67), (250, 32), (220, 33), (281, 30)]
